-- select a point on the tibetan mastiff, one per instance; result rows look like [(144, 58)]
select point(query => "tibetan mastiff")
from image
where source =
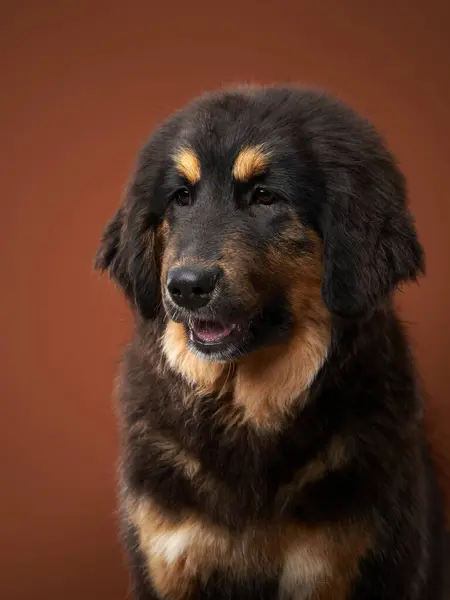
[(271, 419)]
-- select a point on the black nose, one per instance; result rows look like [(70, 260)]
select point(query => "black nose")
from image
[(192, 286)]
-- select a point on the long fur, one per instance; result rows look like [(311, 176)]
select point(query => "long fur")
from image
[(295, 467)]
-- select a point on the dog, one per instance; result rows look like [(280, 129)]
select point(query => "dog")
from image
[(273, 444)]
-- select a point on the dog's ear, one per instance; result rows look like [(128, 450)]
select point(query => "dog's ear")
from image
[(370, 240), (367, 254), (108, 256), (127, 247)]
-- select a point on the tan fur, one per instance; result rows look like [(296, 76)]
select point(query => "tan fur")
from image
[(270, 380), (167, 259), (327, 572), (251, 161), (320, 561), (334, 456), (163, 550), (174, 454), (237, 261), (206, 377), (188, 164), (267, 382), (162, 234)]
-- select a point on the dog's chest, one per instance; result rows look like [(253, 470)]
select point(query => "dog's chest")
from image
[(180, 555)]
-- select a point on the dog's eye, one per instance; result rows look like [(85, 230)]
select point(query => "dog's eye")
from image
[(261, 195), (182, 197)]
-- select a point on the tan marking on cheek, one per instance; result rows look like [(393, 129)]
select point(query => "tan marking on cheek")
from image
[(160, 237), (292, 268), (188, 165), (238, 262), (167, 260), (271, 381), (305, 289), (206, 376), (163, 232), (251, 161)]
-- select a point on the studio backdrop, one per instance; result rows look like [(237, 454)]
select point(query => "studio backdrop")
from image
[(83, 83)]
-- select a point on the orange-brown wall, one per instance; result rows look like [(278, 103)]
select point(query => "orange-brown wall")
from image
[(82, 83)]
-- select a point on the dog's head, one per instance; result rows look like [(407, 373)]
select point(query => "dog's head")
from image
[(254, 208)]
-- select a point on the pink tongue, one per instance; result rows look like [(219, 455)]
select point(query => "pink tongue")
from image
[(211, 332)]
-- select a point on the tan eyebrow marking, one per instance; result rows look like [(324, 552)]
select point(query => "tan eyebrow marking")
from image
[(187, 163), (250, 162)]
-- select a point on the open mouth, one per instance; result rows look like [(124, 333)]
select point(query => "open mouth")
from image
[(225, 339), (211, 333)]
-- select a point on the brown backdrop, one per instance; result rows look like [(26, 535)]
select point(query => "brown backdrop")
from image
[(82, 84)]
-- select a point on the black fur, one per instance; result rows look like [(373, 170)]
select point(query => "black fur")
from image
[(333, 169)]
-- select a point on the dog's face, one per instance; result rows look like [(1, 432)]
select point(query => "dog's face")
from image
[(251, 211), (233, 238)]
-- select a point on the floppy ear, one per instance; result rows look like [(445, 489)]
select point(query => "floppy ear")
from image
[(127, 246), (370, 241), (108, 256)]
